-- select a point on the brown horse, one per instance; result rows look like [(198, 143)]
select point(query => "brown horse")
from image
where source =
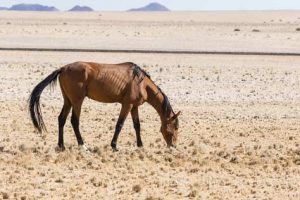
[(125, 83)]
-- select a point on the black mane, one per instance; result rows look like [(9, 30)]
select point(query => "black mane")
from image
[(167, 109), (137, 71)]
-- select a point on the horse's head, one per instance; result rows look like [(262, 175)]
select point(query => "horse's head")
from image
[(169, 129)]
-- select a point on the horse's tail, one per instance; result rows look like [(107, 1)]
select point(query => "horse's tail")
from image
[(34, 101)]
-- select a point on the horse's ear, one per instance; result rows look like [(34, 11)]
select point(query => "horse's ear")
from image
[(179, 112), (176, 115)]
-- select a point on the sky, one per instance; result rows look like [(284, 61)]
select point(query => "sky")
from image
[(119, 5)]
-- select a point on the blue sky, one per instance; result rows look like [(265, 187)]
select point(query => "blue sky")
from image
[(171, 4)]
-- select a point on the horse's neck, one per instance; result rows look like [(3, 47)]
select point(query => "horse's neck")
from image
[(156, 99)]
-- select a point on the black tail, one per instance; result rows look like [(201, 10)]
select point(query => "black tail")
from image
[(34, 101)]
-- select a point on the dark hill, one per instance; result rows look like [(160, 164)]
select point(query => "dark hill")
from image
[(81, 8), (32, 7), (151, 7)]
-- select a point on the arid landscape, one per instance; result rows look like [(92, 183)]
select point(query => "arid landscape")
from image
[(240, 122)]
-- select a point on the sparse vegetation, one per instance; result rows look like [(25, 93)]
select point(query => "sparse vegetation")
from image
[(5, 195), (136, 188), (238, 132)]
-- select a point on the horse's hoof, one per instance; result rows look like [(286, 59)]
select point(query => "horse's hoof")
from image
[(60, 149), (84, 148), (140, 144), (114, 146)]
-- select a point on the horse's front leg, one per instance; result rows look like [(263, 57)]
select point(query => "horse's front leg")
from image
[(126, 108), (136, 125)]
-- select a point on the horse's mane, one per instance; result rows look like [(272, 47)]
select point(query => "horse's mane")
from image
[(137, 71)]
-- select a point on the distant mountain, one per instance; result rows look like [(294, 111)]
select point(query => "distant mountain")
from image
[(151, 7), (3, 8), (81, 8), (32, 7)]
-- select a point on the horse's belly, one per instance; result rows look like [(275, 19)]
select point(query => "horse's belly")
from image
[(103, 99), (104, 92)]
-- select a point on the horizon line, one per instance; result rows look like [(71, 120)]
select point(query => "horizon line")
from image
[(140, 11)]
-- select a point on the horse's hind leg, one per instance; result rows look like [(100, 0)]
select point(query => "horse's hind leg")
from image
[(136, 125), (75, 120), (61, 122)]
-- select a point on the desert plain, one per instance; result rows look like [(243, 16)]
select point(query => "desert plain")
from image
[(240, 122)]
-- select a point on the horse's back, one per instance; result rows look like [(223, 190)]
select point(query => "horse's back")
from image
[(101, 82)]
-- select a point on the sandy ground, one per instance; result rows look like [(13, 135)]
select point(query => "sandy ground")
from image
[(258, 31), (239, 131)]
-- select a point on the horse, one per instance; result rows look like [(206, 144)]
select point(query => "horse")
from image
[(124, 83)]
